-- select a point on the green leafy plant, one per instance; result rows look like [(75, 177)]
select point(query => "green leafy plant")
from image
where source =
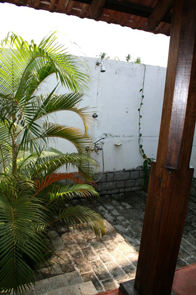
[(29, 180), (129, 59), (103, 55), (138, 60)]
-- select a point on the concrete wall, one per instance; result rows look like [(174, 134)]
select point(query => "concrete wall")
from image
[(117, 102), (115, 97)]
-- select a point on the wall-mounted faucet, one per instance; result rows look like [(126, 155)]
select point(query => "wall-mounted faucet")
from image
[(96, 147)]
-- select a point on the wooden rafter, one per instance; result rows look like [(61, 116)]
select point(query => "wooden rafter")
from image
[(51, 7), (66, 2), (96, 8), (63, 5), (159, 12), (36, 3)]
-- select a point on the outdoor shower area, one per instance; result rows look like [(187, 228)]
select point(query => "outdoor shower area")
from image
[(124, 104)]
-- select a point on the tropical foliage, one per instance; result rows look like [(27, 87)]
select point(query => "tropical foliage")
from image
[(22, 233), (32, 196)]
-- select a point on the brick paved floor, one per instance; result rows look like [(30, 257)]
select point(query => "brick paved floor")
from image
[(113, 259)]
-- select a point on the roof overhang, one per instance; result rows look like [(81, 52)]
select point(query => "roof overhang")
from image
[(147, 15)]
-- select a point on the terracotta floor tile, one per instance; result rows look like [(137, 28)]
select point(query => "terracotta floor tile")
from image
[(185, 280)]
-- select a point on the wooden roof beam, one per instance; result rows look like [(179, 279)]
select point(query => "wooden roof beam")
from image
[(59, 6), (158, 14), (96, 8), (66, 2), (21, 2)]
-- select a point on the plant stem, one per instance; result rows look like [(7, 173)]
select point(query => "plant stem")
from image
[(14, 158), (140, 116)]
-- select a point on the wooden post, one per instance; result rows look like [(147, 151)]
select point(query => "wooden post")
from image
[(171, 177)]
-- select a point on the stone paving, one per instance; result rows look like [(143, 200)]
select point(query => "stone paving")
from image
[(112, 259), (65, 284)]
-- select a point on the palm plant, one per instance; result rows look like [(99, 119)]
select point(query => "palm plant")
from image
[(27, 161), (22, 233)]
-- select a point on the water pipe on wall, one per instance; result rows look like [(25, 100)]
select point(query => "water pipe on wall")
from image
[(97, 147)]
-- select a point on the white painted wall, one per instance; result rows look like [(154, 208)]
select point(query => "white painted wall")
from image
[(115, 96)]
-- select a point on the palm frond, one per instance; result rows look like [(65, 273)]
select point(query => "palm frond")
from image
[(26, 162), (4, 132), (52, 178), (5, 156), (74, 135), (34, 129), (45, 58), (67, 102), (75, 191), (45, 165), (78, 216), (66, 69)]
